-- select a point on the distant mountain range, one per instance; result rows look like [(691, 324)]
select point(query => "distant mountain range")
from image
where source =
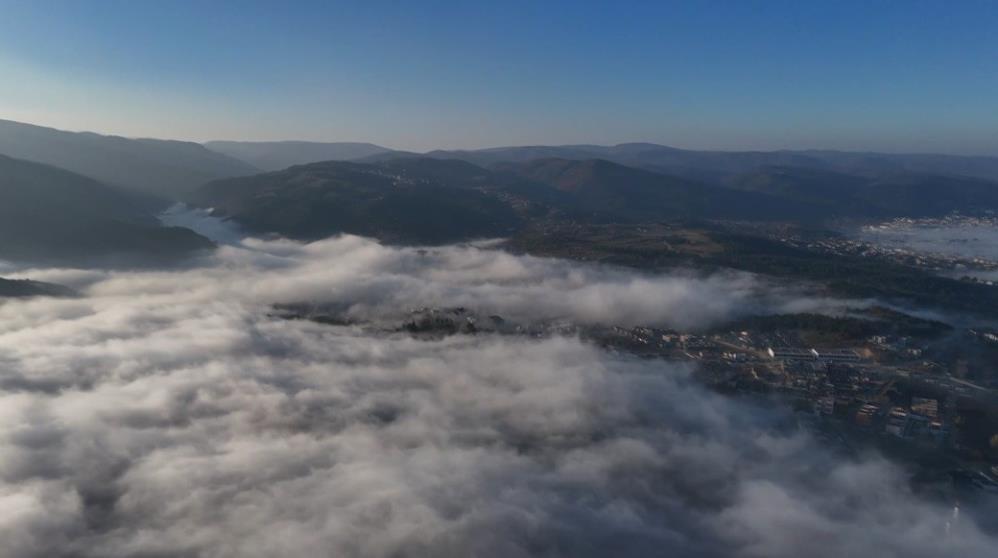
[(99, 196), (278, 155), (714, 167), (423, 199), (158, 167), (49, 214), (719, 165)]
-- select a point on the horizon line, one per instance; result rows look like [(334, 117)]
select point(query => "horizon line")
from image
[(506, 146)]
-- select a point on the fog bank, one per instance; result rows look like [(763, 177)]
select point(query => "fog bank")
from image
[(169, 414)]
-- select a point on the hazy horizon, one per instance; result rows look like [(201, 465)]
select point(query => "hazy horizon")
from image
[(488, 146), (770, 76)]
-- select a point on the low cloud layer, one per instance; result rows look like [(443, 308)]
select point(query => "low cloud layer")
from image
[(167, 414), (968, 241), (367, 280)]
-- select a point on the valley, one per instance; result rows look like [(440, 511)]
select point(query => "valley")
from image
[(807, 292)]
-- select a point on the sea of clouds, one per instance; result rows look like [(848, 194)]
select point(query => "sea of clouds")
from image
[(170, 413)]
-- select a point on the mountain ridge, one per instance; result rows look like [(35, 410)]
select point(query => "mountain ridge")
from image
[(162, 168), (392, 202), (703, 165), (48, 214), (278, 155)]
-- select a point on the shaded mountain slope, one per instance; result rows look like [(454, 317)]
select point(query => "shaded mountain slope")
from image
[(715, 166), (159, 167), (49, 214), (894, 195), (422, 201), (622, 192), (419, 200), (428, 200), (278, 155), (927, 195), (837, 194)]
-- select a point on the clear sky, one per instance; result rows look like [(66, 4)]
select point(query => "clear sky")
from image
[(903, 75)]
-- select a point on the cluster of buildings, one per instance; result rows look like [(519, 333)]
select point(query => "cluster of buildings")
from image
[(851, 391), (913, 404), (815, 355), (852, 395), (898, 345), (839, 384)]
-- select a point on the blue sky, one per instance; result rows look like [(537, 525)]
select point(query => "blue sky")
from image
[(882, 75)]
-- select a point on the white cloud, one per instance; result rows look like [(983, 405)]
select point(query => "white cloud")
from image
[(167, 414)]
